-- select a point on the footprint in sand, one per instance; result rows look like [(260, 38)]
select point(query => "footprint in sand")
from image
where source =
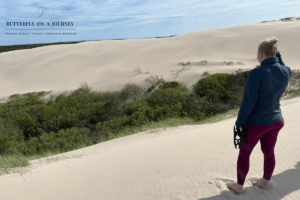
[(221, 185), (217, 185)]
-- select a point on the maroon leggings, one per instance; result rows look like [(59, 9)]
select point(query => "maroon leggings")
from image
[(267, 134)]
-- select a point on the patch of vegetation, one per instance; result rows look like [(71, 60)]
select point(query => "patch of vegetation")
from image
[(295, 83), (206, 73), (203, 62), (223, 89), (287, 18), (166, 36), (184, 64), (228, 63), (32, 127), (267, 21)]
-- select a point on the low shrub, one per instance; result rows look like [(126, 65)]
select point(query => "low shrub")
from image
[(214, 85)]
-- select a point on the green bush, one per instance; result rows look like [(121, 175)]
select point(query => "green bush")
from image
[(215, 85), (167, 111), (60, 97), (224, 89), (32, 146), (50, 102), (111, 128), (48, 142), (15, 96), (238, 83), (4, 143), (169, 96), (47, 118), (31, 99), (198, 108), (11, 145), (174, 84), (71, 138), (9, 128), (64, 140), (30, 125), (140, 113), (132, 92)]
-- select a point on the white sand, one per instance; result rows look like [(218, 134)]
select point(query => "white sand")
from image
[(183, 163)]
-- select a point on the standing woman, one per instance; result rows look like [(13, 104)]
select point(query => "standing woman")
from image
[(260, 112)]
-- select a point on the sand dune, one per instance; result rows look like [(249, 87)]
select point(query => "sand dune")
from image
[(107, 65), (184, 163)]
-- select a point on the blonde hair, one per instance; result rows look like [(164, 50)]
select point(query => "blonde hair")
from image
[(269, 46)]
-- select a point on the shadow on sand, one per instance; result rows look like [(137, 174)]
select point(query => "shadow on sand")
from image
[(278, 187)]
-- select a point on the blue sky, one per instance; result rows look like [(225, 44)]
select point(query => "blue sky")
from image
[(114, 19)]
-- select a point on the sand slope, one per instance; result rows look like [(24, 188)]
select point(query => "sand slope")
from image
[(183, 163), (108, 65)]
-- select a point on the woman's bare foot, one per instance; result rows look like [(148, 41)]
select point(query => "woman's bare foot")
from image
[(262, 183)]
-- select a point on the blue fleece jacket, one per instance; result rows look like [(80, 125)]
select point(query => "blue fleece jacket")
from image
[(264, 88)]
